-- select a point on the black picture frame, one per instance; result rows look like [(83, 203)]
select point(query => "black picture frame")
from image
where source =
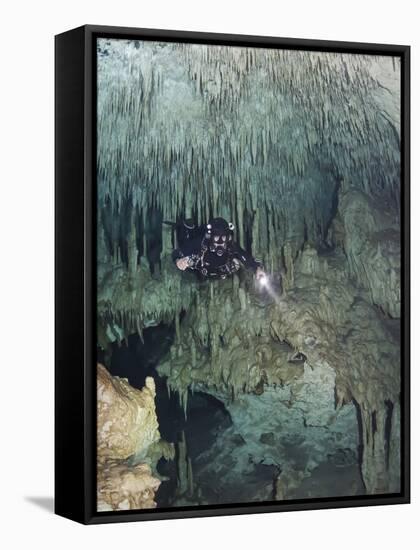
[(75, 288)]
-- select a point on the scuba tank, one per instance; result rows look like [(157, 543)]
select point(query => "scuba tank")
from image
[(186, 230)]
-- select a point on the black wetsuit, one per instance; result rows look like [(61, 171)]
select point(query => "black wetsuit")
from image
[(209, 263)]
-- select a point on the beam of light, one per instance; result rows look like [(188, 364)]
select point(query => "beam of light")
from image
[(263, 280), (264, 283)]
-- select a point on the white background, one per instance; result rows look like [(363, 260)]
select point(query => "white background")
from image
[(26, 301)]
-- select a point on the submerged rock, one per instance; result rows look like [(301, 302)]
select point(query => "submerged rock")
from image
[(128, 444), (126, 421), (348, 366), (124, 487), (267, 438), (301, 150)]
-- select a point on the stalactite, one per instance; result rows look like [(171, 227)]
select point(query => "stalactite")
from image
[(288, 278), (309, 106), (144, 242), (193, 351), (242, 298), (186, 404), (177, 328), (255, 233), (167, 240), (132, 249), (183, 400), (260, 137)]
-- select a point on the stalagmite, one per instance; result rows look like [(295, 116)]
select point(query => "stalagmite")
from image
[(193, 353), (190, 479), (132, 250), (166, 241), (283, 144), (235, 285), (394, 449), (182, 466), (242, 298)]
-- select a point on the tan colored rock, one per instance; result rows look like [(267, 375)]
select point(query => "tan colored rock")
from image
[(124, 487), (127, 422), (127, 427)]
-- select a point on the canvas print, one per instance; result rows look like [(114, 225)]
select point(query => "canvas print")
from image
[(248, 274)]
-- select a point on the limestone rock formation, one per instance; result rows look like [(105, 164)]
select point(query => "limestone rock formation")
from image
[(124, 487), (126, 420), (242, 352), (290, 428), (129, 302), (259, 136), (301, 151), (372, 245), (128, 444)]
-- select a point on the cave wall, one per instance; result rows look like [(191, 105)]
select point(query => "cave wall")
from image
[(372, 243), (351, 351), (263, 137), (301, 150), (269, 139), (295, 427)]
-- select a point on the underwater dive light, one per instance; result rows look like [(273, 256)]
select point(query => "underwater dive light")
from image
[(264, 283), (263, 280)]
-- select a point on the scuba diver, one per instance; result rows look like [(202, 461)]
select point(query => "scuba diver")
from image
[(212, 253)]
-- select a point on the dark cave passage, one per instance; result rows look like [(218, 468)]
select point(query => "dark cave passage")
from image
[(209, 440), (205, 439), (206, 416), (136, 360), (296, 373)]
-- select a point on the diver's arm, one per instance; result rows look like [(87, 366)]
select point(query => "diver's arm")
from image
[(177, 254), (180, 260), (183, 263), (182, 256), (246, 259)]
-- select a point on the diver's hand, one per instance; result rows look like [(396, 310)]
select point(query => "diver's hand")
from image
[(182, 263), (260, 273)]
